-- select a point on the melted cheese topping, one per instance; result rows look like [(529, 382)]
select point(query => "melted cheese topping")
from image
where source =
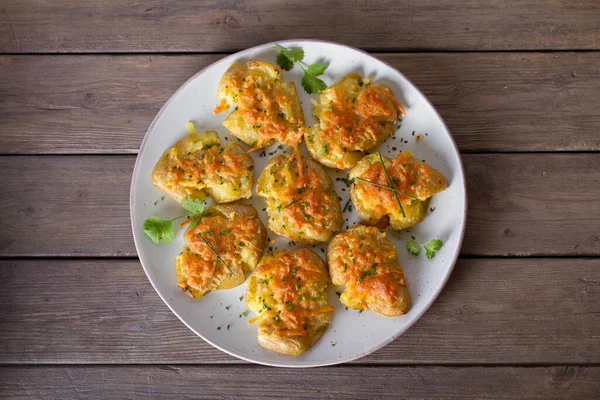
[(300, 202), (365, 261), (288, 292), (211, 167), (266, 108), (415, 180), (354, 116), (198, 163), (235, 239)]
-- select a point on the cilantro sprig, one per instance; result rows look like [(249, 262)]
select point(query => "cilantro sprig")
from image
[(310, 81), (431, 248), (161, 230), (287, 57)]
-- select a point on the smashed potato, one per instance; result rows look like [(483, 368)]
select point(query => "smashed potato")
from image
[(267, 109), (288, 293), (415, 181), (354, 116), (199, 165), (301, 202), (234, 233), (364, 260)]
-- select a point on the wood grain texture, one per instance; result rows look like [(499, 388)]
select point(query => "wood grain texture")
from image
[(519, 205), (209, 26), (490, 101), (250, 382), (492, 311)]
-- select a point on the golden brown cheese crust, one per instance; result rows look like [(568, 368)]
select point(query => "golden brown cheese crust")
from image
[(267, 109), (410, 176), (236, 234), (364, 260), (301, 202), (199, 165), (288, 293), (354, 116)]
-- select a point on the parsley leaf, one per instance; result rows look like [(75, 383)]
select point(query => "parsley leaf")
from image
[(159, 230), (432, 247), (194, 206), (413, 247), (312, 84)]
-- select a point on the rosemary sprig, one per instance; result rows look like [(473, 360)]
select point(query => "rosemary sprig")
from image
[(391, 186), (295, 201), (214, 252), (386, 187)]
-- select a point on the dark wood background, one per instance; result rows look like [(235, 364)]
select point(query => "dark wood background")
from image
[(518, 83)]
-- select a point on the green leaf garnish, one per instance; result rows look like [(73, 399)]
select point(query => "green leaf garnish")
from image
[(195, 221), (293, 55), (310, 81), (412, 246), (159, 230), (284, 62), (432, 247), (312, 84), (316, 69), (193, 206)]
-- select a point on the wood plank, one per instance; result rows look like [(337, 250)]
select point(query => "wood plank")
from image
[(215, 26), (519, 205), (492, 311), (205, 382), (490, 101)]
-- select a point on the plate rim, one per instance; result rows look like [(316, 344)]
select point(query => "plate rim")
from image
[(358, 355)]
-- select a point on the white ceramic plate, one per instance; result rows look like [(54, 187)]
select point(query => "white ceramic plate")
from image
[(351, 335)]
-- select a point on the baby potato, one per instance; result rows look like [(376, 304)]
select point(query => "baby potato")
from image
[(235, 234), (414, 180), (364, 260), (199, 165), (354, 116), (288, 293), (267, 109), (301, 202)]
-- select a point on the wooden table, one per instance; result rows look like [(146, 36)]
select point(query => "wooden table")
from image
[(517, 82)]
